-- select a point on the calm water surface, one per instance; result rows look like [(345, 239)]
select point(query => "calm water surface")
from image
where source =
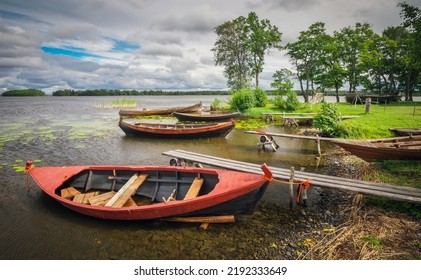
[(72, 131)]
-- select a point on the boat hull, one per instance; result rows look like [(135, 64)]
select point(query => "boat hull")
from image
[(164, 111), (398, 148), (406, 131), (205, 116), (177, 131), (223, 193)]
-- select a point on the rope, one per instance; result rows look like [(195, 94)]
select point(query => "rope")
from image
[(301, 185)]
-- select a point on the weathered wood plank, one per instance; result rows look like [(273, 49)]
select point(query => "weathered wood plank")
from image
[(84, 197), (121, 197), (102, 199), (130, 202), (194, 188), (69, 192), (283, 174), (205, 219), (370, 188)]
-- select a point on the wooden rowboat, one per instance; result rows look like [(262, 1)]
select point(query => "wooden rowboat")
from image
[(159, 130), (406, 131), (162, 111), (151, 192), (397, 148), (211, 116)]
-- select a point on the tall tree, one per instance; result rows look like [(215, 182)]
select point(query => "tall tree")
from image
[(352, 42), (331, 75), (384, 60), (305, 56), (412, 23), (260, 36), (231, 51), (241, 46)]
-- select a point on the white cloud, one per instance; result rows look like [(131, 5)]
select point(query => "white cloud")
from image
[(175, 38)]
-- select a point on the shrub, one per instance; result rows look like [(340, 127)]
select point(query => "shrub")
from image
[(242, 99), (279, 102), (292, 102), (328, 120), (216, 104), (261, 97)]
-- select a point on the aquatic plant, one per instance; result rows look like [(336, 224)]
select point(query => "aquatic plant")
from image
[(123, 103)]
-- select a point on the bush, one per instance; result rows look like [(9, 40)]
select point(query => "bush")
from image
[(328, 120), (216, 104), (279, 102), (261, 97), (292, 102), (242, 99)]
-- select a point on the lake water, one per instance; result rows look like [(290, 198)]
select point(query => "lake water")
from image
[(73, 131)]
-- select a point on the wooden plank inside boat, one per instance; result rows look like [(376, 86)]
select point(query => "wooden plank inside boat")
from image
[(84, 197), (130, 202), (69, 192), (194, 188), (102, 199), (121, 197)]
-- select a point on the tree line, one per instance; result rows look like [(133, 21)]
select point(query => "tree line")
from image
[(354, 56), (24, 92), (117, 92), (107, 92)]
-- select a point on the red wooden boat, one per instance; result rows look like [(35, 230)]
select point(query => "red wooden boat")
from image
[(160, 130), (151, 192)]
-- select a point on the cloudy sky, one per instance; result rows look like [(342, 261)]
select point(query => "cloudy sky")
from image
[(151, 44)]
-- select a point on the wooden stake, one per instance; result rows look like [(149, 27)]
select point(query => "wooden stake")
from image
[(304, 191), (367, 105), (291, 187), (319, 150)]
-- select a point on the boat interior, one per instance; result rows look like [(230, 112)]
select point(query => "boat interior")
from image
[(97, 187), (175, 126)]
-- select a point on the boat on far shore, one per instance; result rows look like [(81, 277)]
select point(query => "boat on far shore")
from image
[(206, 116), (160, 111)]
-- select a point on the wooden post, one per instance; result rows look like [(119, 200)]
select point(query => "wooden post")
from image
[(318, 146), (291, 187), (304, 191), (367, 105)]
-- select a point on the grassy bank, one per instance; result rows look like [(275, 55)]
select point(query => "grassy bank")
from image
[(376, 124), (373, 125)]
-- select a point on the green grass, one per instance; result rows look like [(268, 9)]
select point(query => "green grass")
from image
[(376, 124)]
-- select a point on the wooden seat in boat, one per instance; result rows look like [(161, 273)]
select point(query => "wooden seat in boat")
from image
[(194, 188)]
